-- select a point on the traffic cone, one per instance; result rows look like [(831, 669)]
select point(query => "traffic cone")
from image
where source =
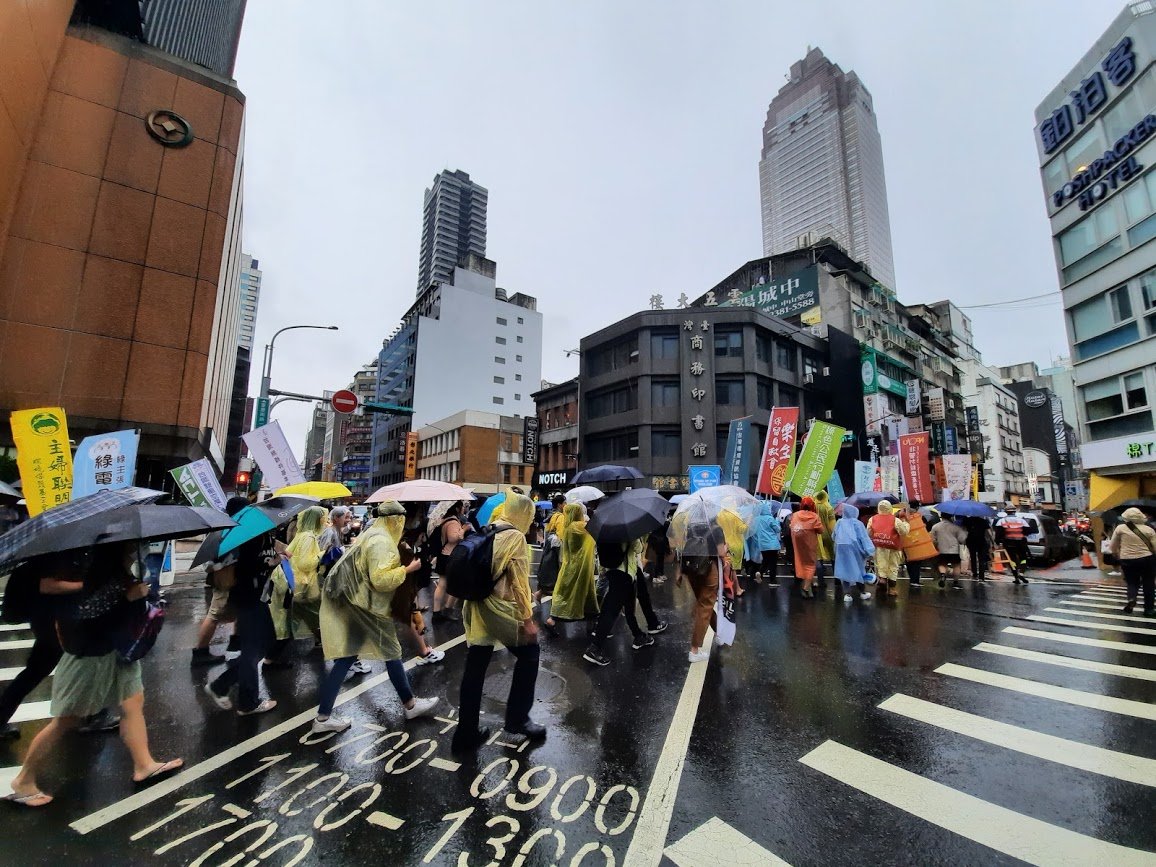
[(997, 564), (1086, 559)]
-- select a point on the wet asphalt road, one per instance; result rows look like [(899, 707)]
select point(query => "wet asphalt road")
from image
[(780, 750)]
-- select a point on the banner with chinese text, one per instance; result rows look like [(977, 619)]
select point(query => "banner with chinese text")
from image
[(737, 465), (271, 452), (817, 460), (914, 453), (865, 476), (888, 474), (778, 461), (957, 477), (410, 456), (199, 484), (43, 456), (835, 489), (105, 462)]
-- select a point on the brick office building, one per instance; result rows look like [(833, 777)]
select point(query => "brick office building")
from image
[(558, 455)]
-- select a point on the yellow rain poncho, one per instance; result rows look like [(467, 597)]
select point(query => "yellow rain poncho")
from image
[(304, 556), (826, 513), (574, 595), (734, 531), (499, 618), (363, 626)]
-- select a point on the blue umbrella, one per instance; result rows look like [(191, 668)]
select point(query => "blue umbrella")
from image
[(966, 509), (544, 505), (487, 508)]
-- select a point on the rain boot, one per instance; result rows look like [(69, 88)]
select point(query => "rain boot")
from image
[(892, 587)]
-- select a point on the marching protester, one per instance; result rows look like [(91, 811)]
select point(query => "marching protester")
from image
[(506, 616), (550, 561), (1134, 546), (246, 571), (356, 623), (575, 597), (93, 608), (806, 528), (918, 549), (826, 552), (701, 571), (443, 538), (300, 603), (852, 548), (979, 545), (948, 537), (1011, 531), (768, 540), (621, 562), (887, 530)]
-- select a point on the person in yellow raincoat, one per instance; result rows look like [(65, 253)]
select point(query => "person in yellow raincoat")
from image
[(734, 531), (887, 530), (574, 597), (504, 617), (361, 624), (826, 554), (294, 612)]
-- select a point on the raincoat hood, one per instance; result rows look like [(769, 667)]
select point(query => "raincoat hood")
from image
[(807, 503), (573, 512), (822, 498), (518, 511), (391, 519), (884, 507), (1135, 516), (312, 520), (771, 508), (850, 511)]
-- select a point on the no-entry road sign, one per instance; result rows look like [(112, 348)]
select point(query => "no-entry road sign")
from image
[(343, 401)]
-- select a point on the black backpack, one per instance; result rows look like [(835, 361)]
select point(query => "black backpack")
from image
[(470, 573)]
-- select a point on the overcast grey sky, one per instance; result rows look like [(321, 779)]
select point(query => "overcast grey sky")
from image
[(619, 140)]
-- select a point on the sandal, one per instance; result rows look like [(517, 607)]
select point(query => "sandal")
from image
[(30, 801), (161, 770)]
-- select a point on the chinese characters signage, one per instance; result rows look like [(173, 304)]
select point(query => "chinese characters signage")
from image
[(43, 456), (794, 295), (703, 476), (936, 404), (410, 455), (1089, 96), (817, 460), (530, 440), (866, 475), (271, 452), (778, 460), (671, 484), (974, 435), (914, 397), (913, 463), (1126, 451), (737, 467), (199, 484), (105, 462), (956, 477)]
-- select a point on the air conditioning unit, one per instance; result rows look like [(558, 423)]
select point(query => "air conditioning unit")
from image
[(989, 489), (876, 298), (808, 379), (826, 371), (890, 343), (951, 403), (829, 414), (889, 305), (862, 319)]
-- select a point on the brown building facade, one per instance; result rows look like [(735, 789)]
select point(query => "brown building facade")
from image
[(119, 244), (477, 450), (557, 407)]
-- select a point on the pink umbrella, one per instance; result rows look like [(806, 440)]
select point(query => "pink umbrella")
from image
[(419, 490)]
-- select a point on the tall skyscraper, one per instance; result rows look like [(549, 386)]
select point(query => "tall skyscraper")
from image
[(205, 32), (822, 167), (250, 297), (453, 226)]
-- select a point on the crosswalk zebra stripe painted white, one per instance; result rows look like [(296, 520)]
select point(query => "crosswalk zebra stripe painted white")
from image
[(14, 627), (1136, 630), (1108, 763), (1065, 638), (1100, 597), (996, 827), (1068, 661), (31, 711), (6, 775), (1100, 614), (1110, 606), (1095, 592), (1093, 700), (1117, 588), (19, 644), (704, 846), (7, 674)]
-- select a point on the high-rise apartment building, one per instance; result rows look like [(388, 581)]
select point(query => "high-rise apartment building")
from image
[(453, 226), (821, 172), (204, 32), (250, 297)]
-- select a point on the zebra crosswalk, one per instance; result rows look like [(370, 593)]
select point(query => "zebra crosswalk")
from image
[(1089, 659), (13, 647)]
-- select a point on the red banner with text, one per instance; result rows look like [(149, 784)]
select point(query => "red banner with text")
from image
[(914, 453), (779, 451)]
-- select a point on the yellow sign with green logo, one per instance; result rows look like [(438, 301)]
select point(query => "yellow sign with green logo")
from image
[(43, 456)]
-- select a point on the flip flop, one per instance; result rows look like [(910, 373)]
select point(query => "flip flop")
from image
[(27, 800), (162, 770)]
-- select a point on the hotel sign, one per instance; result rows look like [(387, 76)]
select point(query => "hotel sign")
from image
[(1090, 95)]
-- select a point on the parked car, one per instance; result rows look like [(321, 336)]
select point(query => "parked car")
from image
[(1046, 541)]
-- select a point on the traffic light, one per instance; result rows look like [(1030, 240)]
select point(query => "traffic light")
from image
[(243, 478)]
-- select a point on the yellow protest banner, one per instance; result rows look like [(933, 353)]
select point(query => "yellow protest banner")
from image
[(43, 456)]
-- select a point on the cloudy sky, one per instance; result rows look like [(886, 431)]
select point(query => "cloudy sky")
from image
[(620, 145)]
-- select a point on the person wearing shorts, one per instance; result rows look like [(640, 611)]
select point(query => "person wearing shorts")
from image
[(948, 537)]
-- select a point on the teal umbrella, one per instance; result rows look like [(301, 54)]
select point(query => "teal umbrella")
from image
[(487, 508), (258, 519)]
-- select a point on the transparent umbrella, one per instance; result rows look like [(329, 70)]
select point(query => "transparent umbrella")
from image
[(694, 528)]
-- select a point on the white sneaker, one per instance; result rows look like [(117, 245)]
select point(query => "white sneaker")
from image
[(421, 707), (359, 667), (846, 597), (430, 658), (701, 656), (264, 707), (330, 724), (221, 701), (864, 595)]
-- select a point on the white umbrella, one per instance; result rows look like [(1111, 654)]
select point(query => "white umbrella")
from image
[(419, 490), (583, 494), (437, 514)]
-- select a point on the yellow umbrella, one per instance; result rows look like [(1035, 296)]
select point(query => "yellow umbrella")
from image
[(320, 490)]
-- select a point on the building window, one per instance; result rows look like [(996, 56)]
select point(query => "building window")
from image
[(500, 340), (1090, 243), (664, 344), (1104, 323), (1117, 406), (788, 396), (729, 392), (785, 356), (764, 393), (520, 340), (763, 344), (499, 400), (612, 446), (501, 321), (500, 380), (728, 344), (517, 397), (811, 364), (517, 358), (665, 444), (517, 377), (499, 360), (664, 392), (613, 357), (616, 400)]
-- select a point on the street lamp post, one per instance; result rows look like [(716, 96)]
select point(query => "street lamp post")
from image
[(267, 370)]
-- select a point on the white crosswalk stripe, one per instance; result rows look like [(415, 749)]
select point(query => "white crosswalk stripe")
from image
[(31, 711), (1061, 621), (19, 644), (1101, 614), (14, 627), (1111, 606), (1068, 661), (701, 848), (1065, 638)]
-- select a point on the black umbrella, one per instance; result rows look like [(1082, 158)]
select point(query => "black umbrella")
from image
[(251, 522), (128, 523), (605, 473), (870, 499), (1148, 506), (25, 537), (629, 515)]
